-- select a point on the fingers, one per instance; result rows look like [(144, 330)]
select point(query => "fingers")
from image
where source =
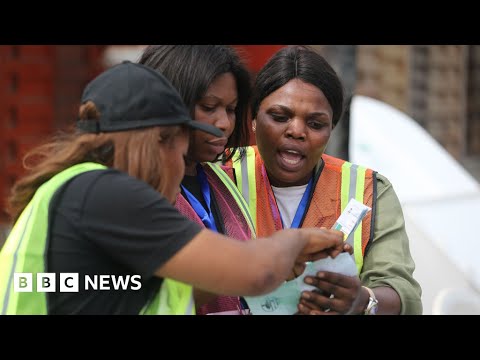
[(322, 239), (327, 278), (313, 302), (304, 310), (333, 252), (316, 304), (298, 269), (344, 290), (304, 307), (338, 247), (312, 257), (348, 248)]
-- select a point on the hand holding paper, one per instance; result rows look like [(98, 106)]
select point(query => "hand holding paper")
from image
[(334, 292), (339, 275), (284, 300), (315, 249)]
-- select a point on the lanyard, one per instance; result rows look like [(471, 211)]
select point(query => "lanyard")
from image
[(302, 207), (204, 214)]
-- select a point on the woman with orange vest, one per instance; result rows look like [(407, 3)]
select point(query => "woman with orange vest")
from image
[(99, 203), (215, 86), (289, 182)]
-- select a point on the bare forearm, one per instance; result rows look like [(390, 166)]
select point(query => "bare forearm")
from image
[(217, 264), (289, 244), (276, 255), (388, 301), (220, 265)]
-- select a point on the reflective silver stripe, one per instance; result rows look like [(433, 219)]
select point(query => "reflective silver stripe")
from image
[(15, 258), (245, 191), (352, 190)]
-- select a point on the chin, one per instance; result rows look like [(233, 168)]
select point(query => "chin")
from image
[(210, 158)]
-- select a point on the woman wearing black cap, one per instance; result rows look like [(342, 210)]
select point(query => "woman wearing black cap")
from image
[(95, 229)]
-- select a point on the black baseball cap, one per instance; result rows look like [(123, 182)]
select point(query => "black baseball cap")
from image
[(133, 96)]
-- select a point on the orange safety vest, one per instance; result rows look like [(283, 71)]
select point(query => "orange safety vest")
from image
[(335, 182)]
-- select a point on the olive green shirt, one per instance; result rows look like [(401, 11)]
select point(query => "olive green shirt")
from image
[(388, 261)]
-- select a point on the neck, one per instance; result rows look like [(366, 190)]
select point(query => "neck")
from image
[(283, 184), (190, 168)]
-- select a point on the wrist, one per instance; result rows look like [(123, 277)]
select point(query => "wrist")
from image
[(371, 306)]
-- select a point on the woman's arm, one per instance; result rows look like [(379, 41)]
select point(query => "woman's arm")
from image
[(388, 262), (387, 269), (215, 263)]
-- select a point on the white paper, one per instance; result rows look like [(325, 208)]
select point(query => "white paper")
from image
[(342, 264), (284, 299)]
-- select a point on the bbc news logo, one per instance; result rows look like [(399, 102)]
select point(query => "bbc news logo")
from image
[(69, 282)]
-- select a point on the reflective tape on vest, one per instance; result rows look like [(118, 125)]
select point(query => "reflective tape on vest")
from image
[(245, 176), (353, 185)]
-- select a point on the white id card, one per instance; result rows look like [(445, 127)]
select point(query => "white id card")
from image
[(351, 217)]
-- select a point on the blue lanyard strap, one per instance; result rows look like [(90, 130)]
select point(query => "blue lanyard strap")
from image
[(205, 214), (302, 207)]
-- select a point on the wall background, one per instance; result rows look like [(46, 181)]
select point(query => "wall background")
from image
[(438, 85)]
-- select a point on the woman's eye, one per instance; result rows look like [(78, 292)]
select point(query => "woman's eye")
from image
[(316, 125), (279, 118), (208, 108)]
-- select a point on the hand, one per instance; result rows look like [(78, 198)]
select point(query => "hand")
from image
[(299, 267), (346, 291), (321, 244)]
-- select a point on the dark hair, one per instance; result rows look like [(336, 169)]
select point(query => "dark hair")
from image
[(299, 62), (192, 68)]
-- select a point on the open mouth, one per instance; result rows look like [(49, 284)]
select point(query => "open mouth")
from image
[(290, 160)]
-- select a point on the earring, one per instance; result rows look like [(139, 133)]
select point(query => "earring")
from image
[(254, 128)]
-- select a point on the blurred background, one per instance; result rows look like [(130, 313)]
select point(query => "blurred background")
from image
[(438, 86)]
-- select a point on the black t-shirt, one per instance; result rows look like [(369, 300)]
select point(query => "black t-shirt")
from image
[(105, 222)]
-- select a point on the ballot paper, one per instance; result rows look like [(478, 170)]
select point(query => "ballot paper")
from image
[(343, 264), (284, 299)]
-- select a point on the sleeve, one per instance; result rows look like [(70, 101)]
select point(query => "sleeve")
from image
[(388, 261), (134, 224)]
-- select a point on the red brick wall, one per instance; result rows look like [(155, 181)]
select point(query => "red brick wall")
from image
[(26, 108), (40, 89), (75, 66)]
